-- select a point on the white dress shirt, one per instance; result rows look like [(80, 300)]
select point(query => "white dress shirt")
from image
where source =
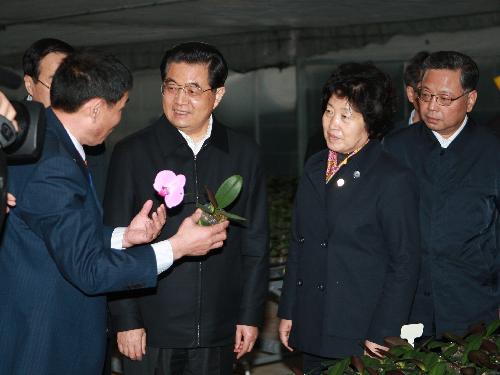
[(445, 142)]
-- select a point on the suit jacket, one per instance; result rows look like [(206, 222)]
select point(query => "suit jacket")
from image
[(55, 264), (354, 256), (198, 301), (459, 216)]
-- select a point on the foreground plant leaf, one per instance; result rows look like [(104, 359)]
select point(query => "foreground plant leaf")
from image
[(228, 191), (339, 367)]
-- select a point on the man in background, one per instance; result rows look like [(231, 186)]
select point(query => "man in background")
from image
[(412, 76), (40, 62), (457, 165)]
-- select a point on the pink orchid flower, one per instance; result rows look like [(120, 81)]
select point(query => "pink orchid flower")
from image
[(170, 186)]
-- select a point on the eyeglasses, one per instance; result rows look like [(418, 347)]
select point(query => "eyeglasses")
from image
[(43, 83), (190, 89), (441, 99)]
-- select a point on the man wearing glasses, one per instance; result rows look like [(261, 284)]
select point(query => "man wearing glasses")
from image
[(206, 310), (40, 62), (457, 165)]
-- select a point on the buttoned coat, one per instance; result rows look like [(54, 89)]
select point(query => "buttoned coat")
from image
[(199, 300), (55, 265), (459, 215), (354, 256)]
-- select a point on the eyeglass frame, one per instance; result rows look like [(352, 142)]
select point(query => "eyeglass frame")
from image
[(183, 88), (43, 83), (439, 98)]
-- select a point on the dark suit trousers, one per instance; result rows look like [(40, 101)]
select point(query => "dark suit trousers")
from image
[(192, 361)]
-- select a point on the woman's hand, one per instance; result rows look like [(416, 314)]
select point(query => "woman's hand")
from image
[(375, 350), (284, 331)]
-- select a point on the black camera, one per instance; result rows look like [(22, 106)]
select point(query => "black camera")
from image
[(25, 145)]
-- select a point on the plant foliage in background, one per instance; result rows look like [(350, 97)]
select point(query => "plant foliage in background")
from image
[(281, 192), (476, 353), (213, 211)]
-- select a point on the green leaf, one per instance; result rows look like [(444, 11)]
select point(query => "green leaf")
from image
[(438, 368), (450, 350), (228, 191), (398, 351), (492, 327), (339, 367), (430, 359), (231, 216), (436, 344), (472, 345)]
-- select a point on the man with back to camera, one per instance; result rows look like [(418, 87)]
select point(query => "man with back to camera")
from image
[(56, 260), (457, 165), (205, 308)]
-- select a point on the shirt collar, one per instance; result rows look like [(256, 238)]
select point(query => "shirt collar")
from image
[(77, 144), (412, 116), (196, 146), (445, 142)]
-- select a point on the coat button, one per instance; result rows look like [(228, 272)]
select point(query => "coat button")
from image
[(301, 240), (299, 282), (324, 244), (321, 287)]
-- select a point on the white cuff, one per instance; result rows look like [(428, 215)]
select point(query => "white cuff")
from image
[(164, 255), (117, 238)]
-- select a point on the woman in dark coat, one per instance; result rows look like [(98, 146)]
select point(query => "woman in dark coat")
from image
[(354, 256)]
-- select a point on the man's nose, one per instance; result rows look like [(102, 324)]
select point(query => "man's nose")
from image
[(181, 95), (433, 104)]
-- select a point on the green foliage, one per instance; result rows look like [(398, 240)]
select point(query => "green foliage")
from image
[(229, 191), (477, 352), (213, 212), (280, 194)]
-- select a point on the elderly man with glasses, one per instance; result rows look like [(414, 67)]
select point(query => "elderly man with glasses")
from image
[(206, 310), (457, 164)]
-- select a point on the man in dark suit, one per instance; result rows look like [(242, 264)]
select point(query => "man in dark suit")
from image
[(55, 257), (412, 76), (205, 308), (457, 166)]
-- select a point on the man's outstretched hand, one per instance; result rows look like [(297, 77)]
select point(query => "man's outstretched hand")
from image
[(144, 228)]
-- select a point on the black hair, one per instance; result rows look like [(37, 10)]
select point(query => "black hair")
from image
[(368, 90), (38, 50), (197, 53), (85, 75), (413, 71), (452, 60)]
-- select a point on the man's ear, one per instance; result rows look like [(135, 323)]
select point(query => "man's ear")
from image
[(471, 100), (219, 93), (411, 94), (93, 108), (28, 83)]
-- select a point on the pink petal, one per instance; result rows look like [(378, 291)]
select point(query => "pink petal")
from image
[(174, 198), (163, 178), (170, 186)]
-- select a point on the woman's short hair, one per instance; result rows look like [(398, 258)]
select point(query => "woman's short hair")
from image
[(368, 90)]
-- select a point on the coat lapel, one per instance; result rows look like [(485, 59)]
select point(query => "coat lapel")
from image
[(316, 175), (345, 185)]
